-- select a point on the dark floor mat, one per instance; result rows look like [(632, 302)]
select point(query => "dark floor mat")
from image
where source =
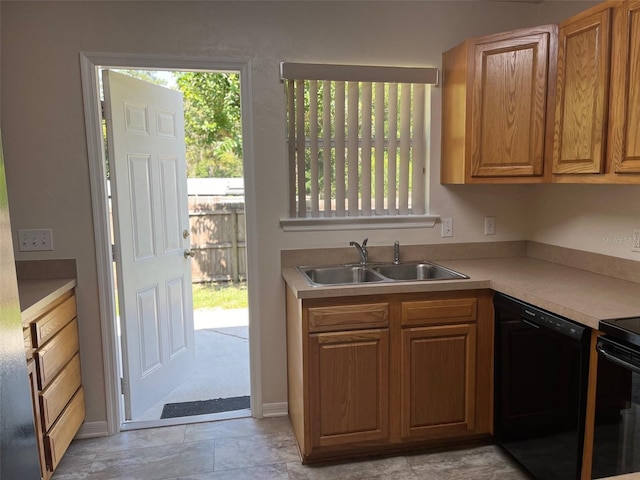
[(203, 407)]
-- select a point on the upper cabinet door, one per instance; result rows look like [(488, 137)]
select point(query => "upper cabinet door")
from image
[(496, 102), (509, 106), (582, 93), (624, 116)]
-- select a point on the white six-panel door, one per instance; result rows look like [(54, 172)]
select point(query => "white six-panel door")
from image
[(145, 131)]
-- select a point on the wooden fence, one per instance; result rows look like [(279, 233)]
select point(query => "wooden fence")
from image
[(218, 238)]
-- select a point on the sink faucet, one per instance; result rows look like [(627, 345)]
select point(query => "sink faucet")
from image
[(396, 253), (362, 250)]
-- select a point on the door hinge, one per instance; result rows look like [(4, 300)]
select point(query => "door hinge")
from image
[(104, 110), (124, 388), (115, 255)]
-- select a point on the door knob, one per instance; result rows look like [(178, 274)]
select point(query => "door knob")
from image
[(189, 253)]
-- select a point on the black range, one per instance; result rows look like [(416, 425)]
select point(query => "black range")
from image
[(616, 446)]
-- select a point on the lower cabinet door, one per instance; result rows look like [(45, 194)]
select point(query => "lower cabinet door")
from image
[(438, 380), (349, 387)]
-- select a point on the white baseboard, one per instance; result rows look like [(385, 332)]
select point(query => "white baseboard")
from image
[(99, 429), (93, 430), (279, 409)]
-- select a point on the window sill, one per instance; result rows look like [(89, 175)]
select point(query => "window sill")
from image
[(357, 223)]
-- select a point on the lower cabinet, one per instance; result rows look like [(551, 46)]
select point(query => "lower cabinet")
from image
[(349, 372), (52, 347), (408, 371), (438, 359), (33, 381)]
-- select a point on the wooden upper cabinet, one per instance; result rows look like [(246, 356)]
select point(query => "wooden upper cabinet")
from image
[(496, 103), (509, 100), (624, 118), (584, 46)]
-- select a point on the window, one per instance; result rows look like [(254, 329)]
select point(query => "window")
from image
[(357, 142)]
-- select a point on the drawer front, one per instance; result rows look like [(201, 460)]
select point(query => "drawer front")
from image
[(28, 350), (59, 437), (51, 358), (348, 317), (33, 384), (56, 396), (45, 327), (432, 312)]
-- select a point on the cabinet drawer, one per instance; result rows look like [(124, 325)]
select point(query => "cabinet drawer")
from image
[(45, 327), (56, 396), (59, 437), (348, 317), (27, 343), (51, 358), (431, 312), (33, 384)]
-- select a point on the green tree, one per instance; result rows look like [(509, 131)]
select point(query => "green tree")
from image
[(150, 76), (213, 128)]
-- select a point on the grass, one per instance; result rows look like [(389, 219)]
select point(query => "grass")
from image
[(217, 295)]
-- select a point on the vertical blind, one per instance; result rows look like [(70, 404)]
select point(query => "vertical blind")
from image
[(357, 144)]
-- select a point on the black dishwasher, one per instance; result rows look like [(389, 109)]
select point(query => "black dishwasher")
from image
[(541, 374)]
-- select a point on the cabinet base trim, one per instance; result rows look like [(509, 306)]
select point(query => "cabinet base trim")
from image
[(93, 430), (407, 448), (278, 409)]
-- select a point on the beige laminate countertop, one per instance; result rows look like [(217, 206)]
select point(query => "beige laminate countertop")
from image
[(34, 294), (580, 295)]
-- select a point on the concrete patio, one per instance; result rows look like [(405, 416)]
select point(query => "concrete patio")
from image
[(222, 360)]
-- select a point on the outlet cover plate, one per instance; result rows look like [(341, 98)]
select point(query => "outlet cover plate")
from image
[(489, 225), (447, 227), (635, 245), (31, 240)]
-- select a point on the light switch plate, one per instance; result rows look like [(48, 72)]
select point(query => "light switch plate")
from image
[(35, 240)]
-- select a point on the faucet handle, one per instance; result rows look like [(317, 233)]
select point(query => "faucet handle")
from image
[(396, 252), (364, 242)]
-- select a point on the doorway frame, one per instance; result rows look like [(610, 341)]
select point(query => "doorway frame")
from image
[(90, 63)]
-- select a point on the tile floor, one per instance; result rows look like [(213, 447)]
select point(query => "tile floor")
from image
[(248, 448), (257, 449)]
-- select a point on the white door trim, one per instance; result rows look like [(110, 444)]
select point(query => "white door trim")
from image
[(89, 63)]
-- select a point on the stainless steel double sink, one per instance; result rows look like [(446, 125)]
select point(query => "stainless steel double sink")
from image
[(377, 272)]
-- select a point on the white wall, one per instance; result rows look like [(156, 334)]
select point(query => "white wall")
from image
[(45, 146), (595, 218)]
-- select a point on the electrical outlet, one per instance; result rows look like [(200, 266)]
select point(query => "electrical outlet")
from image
[(35, 239), (489, 225), (447, 227), (635, 246)]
